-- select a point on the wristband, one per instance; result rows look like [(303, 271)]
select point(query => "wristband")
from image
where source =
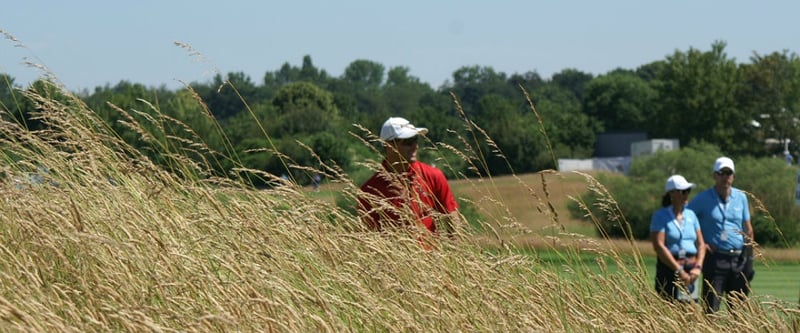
[(700, 267), (678, 272)]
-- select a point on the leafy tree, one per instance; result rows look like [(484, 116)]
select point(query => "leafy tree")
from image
[(273, 81), (246, 126), (254, 153), (331, 147), (307, 114), (285, 75), (203, 134), (771, 92), (227, 97), (8, 95), (512, 133), (28, 105), (622, 100), (572, 80), (697, 100), (398, 76), (115, 104), (358, 94), (471, 83), (570, 131), (364, 74), (438, 118), (403, 93), (12, 103), (310, 73), (529, 81), (348, 108), (303, 109), (649, 72)]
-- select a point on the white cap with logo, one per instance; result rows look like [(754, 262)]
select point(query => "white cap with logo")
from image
[(400, 128), (677, 182), (723, 162)]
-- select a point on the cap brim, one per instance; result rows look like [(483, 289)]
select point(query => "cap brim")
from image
[(410, 133), (681, 188)]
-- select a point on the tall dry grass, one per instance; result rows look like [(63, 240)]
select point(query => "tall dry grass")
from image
[(109, 241)]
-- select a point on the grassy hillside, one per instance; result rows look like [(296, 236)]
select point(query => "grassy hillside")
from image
[(523, 196)]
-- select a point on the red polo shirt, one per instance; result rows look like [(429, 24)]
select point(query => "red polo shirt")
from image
[(388, 199)]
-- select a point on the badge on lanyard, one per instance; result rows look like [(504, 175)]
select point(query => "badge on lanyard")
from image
[(681, 254), (723, 208)]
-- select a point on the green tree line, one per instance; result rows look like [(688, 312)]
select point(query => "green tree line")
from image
[(694, 95)]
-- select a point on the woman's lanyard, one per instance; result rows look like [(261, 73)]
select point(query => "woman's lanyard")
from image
[(679, 226)]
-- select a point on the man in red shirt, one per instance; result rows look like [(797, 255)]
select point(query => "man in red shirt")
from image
[(406, 192)]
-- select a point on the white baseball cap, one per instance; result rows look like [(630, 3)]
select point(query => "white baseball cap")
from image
[(677, 182), (723, 162), (400, 128)]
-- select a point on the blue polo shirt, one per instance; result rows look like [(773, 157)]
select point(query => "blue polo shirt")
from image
[(676, 236), (722, 222)]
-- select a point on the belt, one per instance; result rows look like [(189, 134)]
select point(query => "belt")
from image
[(688, 260), (730, 252), (688, 256)]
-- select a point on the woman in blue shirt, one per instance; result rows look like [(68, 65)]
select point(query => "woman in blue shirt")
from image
[(678, 242)]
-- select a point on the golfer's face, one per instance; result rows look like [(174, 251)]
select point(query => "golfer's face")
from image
[(407, 148), (724, 178)]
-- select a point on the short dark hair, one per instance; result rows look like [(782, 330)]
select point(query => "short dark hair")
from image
[(666, 200)]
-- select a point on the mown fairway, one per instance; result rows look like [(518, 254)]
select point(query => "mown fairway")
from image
[(780, 280)]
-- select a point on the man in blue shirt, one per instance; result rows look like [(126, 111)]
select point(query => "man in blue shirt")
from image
[(724, 215)]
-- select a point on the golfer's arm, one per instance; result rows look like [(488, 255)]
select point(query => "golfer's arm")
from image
[(748, 232)]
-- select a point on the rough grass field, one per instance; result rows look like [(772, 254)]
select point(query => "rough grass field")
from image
[(106, 240), (517, 198), (778, 274), (519, 194), (778, 269)]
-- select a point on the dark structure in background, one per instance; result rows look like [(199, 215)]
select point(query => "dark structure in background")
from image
[(615, 144)]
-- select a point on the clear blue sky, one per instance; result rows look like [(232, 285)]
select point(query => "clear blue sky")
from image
[(93, 42)]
